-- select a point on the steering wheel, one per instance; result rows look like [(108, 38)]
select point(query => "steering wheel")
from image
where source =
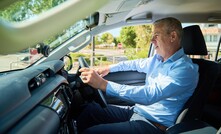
[(87, 91)]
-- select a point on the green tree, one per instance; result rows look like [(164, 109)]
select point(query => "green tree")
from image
[(127, 36), (116, 41), (107, 38), (141, 37), (97, 40), (26, 9)]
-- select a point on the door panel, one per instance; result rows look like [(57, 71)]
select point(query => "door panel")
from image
[(127, 78)]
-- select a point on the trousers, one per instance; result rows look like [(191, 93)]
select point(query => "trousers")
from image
[(113, 119)]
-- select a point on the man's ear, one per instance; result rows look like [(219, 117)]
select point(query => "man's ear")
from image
[(173, 36)]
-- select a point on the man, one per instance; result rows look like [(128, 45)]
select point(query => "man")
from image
[(171, 78)]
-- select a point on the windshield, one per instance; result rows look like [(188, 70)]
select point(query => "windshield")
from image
[(28, 9)]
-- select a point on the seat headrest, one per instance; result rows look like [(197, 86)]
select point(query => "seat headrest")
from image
[(193, 41)]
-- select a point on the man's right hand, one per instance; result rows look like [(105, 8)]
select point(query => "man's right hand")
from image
[(103, 71)]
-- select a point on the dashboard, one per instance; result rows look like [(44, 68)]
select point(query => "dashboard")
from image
[(37, 98), (40, 99)]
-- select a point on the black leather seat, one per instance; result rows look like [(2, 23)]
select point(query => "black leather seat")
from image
[(194, 44)]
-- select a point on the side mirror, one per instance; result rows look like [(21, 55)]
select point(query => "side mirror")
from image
[(68, 62)]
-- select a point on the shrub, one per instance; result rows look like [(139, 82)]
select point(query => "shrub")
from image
[(132, 54)]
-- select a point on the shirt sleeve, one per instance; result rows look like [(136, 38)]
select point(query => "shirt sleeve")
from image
[(177, 81), (139, 65)]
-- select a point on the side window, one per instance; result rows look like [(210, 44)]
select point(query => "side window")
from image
[(212, 33), (120, 44), (218, 56)]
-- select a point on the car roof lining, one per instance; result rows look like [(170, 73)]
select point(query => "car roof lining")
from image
[(183, 10), (169, 6)]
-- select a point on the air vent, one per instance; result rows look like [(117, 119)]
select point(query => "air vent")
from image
[(38, 80)]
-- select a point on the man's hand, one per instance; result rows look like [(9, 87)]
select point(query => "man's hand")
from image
[(103, 71), (91, 77)]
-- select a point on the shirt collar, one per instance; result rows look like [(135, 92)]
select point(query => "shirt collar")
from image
[(174, 57), (177, 55)]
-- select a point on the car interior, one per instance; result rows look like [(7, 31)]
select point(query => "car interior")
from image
[(42, 96)]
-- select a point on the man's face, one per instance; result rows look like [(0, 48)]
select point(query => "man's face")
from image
[(161, 40)]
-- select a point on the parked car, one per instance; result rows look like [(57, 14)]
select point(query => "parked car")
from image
[(38, 96)]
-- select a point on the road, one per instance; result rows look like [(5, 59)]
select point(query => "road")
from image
[(106, 52), (13, 61)]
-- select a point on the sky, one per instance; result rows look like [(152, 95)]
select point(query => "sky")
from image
[(115, 32)]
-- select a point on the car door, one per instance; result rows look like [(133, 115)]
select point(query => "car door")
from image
[(128, 78)]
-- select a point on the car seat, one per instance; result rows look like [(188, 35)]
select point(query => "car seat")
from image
[(188, 120)]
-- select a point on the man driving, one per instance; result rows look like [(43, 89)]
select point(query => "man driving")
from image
[(171, 79)]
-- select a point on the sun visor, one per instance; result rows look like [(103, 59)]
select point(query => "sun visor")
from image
[(139, 15)]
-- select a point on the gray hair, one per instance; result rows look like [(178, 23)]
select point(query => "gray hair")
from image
[(171, 24)]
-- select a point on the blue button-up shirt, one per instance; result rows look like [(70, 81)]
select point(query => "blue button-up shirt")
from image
[(168, 86)]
